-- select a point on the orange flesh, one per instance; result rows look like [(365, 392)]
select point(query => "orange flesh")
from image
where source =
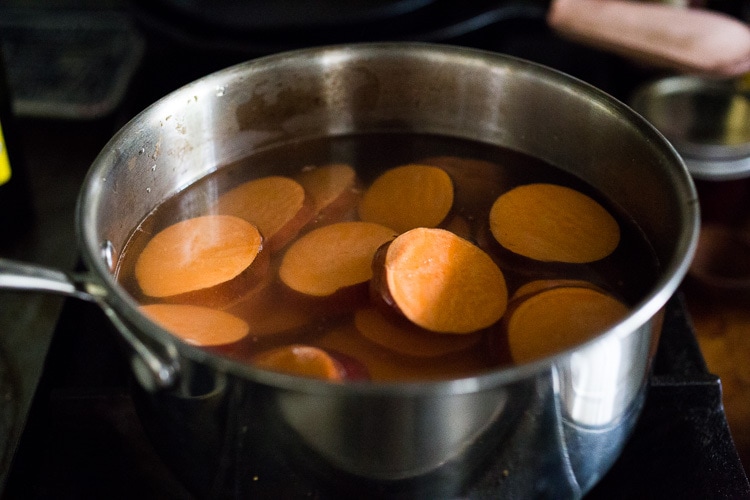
[(332, 257), (459, 226), (302, 360), (276, 205), (327, 184), (197, 254), (552, 223), (196, 324), (407, 197), (443, 283), (477, 182), (266, 313), (559, 318)]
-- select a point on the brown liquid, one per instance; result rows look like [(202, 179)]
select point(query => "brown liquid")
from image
[(627, 274)]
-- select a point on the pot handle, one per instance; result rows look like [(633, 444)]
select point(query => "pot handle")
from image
[(153, 371)]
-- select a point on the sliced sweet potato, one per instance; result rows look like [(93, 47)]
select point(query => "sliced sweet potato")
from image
[(406, 338), (442, 282), (332, 188), (276, 205), (477, 182), (540, 285), (268, 314), (459, 226), (407, 197), (196, 324), (301, 360), (205, 259), (332, 257), (547, 222), (559, 318), (387, 365)]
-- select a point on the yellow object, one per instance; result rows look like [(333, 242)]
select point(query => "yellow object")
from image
[(4, 160), (743, 83)]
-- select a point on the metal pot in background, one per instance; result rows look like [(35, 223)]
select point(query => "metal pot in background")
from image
[(708, 122), (553, 427)]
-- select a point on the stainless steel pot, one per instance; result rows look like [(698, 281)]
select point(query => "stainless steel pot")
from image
[(553, 427)]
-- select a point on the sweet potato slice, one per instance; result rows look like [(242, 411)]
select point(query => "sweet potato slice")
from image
[(477, 182), (196, 324), (406, 338), (384, 364), (407, 197), (559, 318), (276, 205), (207, 258), (301, 360), (442, 282), (552, 223), (332, 188), (332, 257), (268, 314), (540, 285), (460, 226)]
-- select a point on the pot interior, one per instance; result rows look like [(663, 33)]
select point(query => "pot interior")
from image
[(284, 101)]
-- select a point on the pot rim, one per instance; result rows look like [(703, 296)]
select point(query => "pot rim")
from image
[(716, 161), (672, 272)]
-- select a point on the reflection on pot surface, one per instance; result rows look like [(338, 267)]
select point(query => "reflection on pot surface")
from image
[(422, 445)]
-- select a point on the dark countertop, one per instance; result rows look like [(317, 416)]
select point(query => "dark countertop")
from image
[(27, 321)]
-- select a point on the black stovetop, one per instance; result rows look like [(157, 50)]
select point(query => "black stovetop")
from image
[(82, 437)]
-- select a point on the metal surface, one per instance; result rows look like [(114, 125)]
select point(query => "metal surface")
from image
[(708, 122), (563, 419)]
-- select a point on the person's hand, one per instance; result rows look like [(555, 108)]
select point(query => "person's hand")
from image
[(687, 40)]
